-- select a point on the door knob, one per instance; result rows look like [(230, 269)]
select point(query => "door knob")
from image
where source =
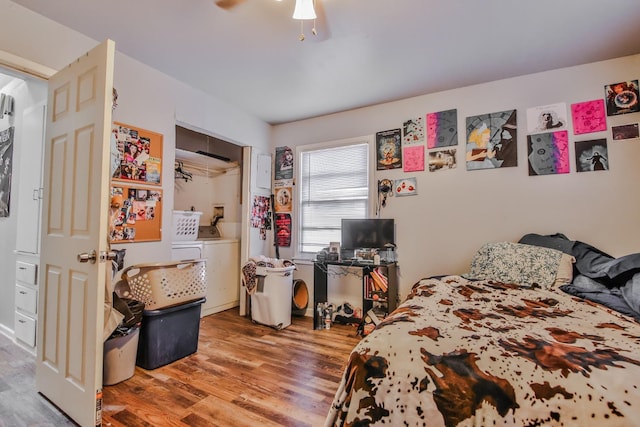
[(87, 257)]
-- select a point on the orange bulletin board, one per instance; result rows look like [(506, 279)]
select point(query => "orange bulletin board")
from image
[(136, 154), (135, 214)]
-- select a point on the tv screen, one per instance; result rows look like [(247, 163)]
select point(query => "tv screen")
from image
[(367, 233)]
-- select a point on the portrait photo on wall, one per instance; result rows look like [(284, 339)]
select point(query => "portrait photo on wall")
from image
[(625, 132), (442, 160), (413, 131), (283, 199), (492, 140), (547, 118), (592, 155), (283, 163), (622, 98), (388, 149), (548, 153), (442, 129)]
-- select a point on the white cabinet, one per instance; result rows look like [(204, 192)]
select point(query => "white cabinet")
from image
[(26, 300), (223, 275), (29, 197)]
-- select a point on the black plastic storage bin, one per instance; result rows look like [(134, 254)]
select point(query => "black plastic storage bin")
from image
[(168, 334)]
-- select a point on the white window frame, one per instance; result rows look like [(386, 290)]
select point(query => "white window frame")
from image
[(296, 215)]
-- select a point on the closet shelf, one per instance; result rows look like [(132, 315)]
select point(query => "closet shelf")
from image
[(203, 165)]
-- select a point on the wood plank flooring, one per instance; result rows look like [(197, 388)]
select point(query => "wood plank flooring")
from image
[(243, 374)]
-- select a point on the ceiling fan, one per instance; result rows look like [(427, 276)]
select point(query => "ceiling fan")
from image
[(228, 4), (304, 10)]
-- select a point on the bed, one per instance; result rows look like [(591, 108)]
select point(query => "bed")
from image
[(503, 345)]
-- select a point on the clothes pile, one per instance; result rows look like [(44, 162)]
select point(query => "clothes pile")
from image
[(598, 276), (249, 276)]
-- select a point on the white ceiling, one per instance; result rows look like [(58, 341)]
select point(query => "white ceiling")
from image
[(366, 51)]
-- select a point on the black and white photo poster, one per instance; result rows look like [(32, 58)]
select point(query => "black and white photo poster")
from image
[(6, 158)]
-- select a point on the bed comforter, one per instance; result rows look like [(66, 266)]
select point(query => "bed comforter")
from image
[(481, 353)]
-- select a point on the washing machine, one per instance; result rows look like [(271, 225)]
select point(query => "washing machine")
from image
[(181, 251)]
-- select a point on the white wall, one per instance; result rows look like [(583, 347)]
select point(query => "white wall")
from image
[(456, 211), (147, 99)]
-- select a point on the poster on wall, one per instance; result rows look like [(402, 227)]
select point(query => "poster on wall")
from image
[(442, 160), (625, 132), (592, 155), (406, 187), (136, 154), (261, 215), (283, 198), (547, 118), (135, 214), (6, 166), (622, 98), (388, 149), (283, 229), (413, 158), (548, 153), (492, 140), (283, 163), (413, 131), (442, 129), (588, 117)]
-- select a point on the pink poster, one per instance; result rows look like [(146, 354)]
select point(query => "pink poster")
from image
[(413, 158), (588, 117), (548, 153)]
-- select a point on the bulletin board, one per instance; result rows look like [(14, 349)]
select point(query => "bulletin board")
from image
[(135, 214), (136, 154)]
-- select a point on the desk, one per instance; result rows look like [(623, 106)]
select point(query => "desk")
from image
[(320, 283)]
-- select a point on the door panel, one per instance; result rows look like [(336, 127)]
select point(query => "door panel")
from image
[(74, 221)]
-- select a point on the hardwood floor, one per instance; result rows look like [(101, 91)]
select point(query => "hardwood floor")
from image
[(243, 374)]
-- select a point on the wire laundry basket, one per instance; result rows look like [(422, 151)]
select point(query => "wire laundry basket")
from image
[(166, 284)]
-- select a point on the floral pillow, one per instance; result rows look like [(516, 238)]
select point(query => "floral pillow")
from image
[(516, 263)]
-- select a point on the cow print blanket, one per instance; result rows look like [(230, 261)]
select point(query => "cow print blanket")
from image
[(481, 353)]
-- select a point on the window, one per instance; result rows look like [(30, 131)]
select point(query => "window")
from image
[(333, 184)]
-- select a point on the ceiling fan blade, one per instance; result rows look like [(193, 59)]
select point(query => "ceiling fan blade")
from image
[(228, 4)]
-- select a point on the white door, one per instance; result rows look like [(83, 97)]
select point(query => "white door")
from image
[(74, 222)]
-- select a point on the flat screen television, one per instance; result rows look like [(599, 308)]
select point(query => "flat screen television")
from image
[(367, 233)]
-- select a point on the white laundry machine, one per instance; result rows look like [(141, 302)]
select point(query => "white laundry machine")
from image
[(181, 251)]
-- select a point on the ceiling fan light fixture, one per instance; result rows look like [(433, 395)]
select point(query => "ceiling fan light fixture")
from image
[(304, 10)]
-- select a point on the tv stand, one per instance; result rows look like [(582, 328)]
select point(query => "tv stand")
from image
[(389, 298)]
